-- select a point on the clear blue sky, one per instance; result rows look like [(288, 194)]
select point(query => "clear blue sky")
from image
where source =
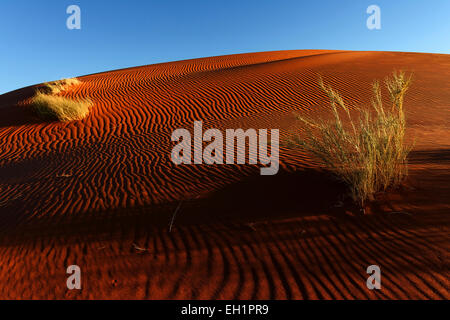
[(36, 46)]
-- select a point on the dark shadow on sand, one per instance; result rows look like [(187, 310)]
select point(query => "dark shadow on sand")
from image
[(438, 156), (256, 198), (11, 113)]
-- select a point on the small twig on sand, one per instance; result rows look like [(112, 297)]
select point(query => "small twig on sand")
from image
[(251, 225), (139, 248), (64, 175), (174, 215)]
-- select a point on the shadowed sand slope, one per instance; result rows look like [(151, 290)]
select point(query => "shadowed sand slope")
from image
[(101, 192)]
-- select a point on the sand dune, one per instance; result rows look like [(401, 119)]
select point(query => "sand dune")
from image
[(101, 192)]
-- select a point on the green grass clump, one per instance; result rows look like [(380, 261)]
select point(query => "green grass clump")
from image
[(49, 105), (367, 152)]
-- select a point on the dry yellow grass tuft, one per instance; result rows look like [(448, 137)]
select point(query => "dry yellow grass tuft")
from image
[(369, 154), (60, 108), (49, 105), (56, 87)]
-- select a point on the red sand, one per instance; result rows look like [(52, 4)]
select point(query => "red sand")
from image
[(100, 193)]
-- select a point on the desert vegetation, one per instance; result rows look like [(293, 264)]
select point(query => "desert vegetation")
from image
[(365, 149), (48, 104)]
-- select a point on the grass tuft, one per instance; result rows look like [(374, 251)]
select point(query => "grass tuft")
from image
[(49, 105), (367, 152), (56, 87)]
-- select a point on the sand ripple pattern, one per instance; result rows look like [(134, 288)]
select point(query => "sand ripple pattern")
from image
[(110, 178)]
